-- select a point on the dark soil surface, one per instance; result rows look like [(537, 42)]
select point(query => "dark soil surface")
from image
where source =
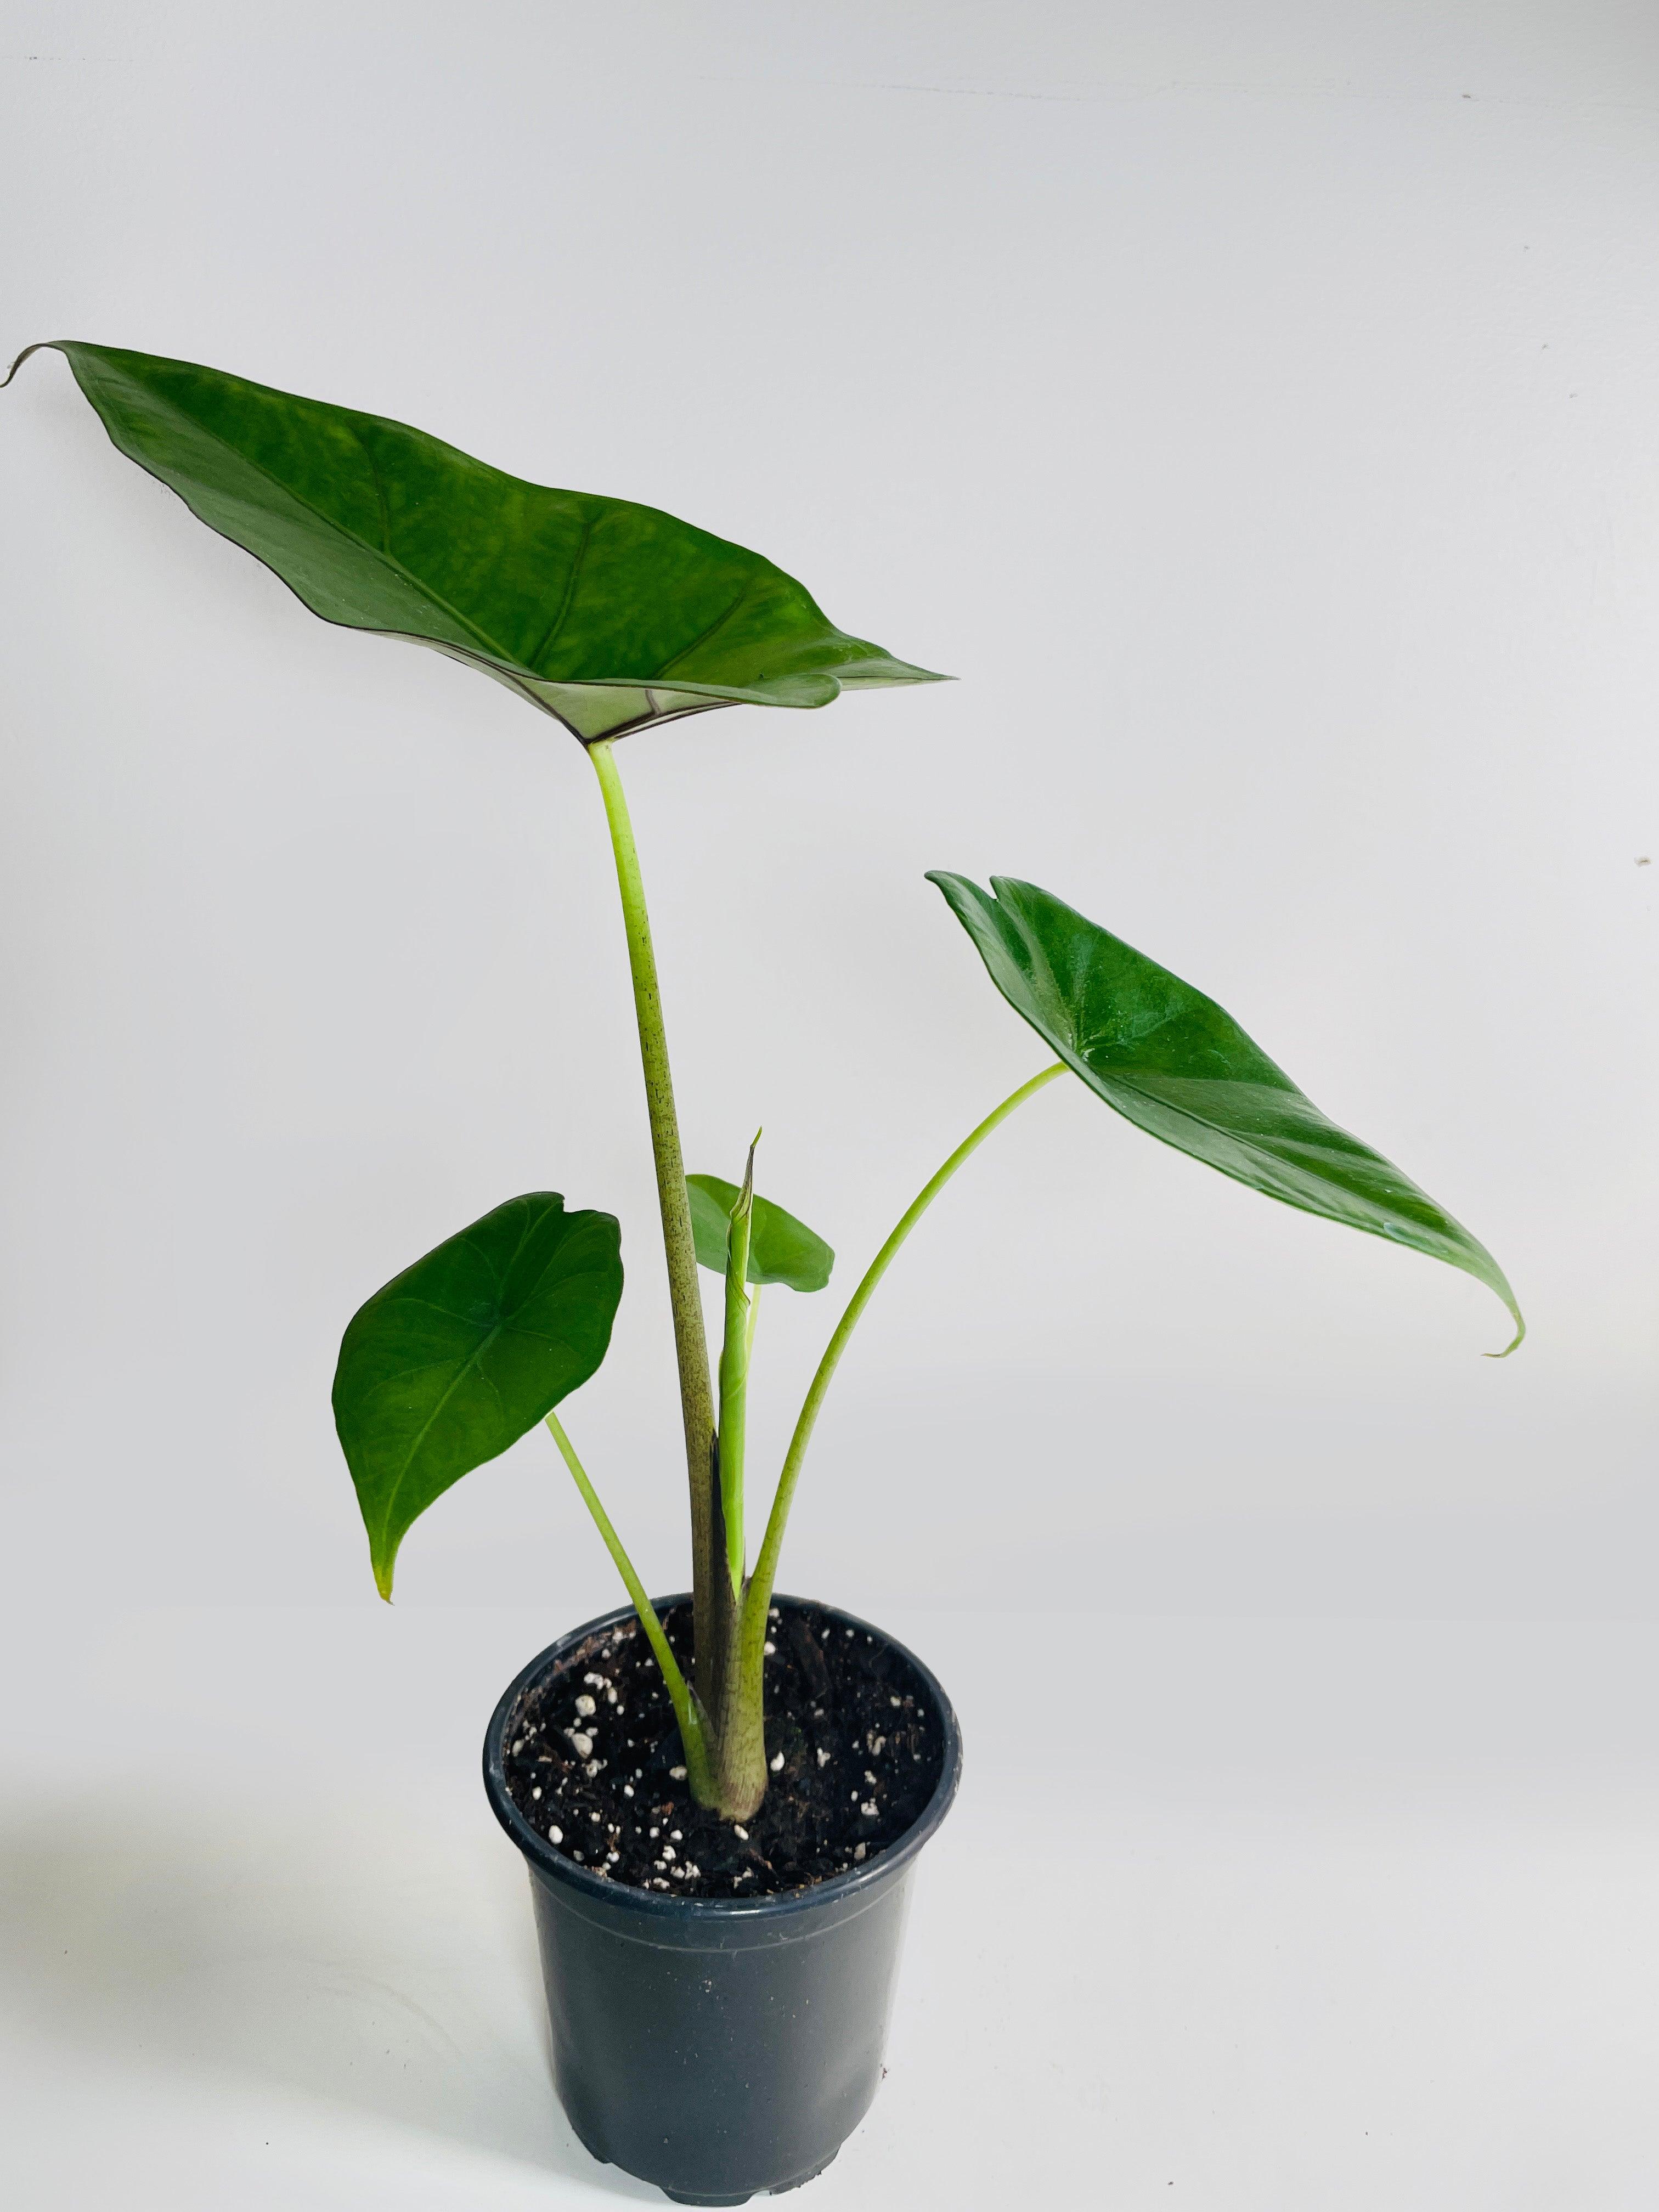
[(593, 1761)]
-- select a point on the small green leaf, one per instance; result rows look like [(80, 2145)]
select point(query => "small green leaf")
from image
[(604, 613), (1179, 1066), (781, 1248), (464, 1352)]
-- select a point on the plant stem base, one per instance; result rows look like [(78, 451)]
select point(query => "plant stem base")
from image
[(855, 1770)]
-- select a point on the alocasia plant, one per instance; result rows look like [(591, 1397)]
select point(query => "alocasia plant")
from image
[(613, 617)]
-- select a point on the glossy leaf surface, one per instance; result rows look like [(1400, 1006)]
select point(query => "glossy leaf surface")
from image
[(604, 613), (781, 1248), (464, 1352), (1179, 1066)]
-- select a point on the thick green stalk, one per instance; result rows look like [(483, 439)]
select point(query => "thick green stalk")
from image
[(683, 1699), (711, 1605), (738, 1742), (734, 1376), (759, 1595)]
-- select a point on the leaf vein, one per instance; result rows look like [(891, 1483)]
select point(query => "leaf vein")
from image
[(702, 638), (535, 659), (417, 584), (425, 1429)]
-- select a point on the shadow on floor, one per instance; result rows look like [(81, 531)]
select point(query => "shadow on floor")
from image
[(332, 1958)]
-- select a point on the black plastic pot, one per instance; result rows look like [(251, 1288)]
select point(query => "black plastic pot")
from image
[(718, 2048)]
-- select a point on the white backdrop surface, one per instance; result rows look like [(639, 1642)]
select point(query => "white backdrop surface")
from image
[(1253, 407)]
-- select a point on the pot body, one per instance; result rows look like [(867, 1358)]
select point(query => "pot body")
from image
[(718, 2048)]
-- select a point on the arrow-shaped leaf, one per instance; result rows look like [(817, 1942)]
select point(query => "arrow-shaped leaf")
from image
[(602, 612), (1179, 1066), (464, 1352), (781, 1248)]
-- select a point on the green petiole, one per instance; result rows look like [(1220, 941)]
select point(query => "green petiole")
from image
[(688, 1709), (759, 1595), (712, 1616)]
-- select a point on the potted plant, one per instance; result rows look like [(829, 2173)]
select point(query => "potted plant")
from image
[(720, 1797)]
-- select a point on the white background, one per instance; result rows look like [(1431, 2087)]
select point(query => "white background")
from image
[(1253, 406)]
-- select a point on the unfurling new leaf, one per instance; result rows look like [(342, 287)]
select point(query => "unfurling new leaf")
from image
[(734, 1368), (1179, 1066), (464, 1352)]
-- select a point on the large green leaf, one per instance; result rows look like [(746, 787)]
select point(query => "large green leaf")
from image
[(781, 1248), (604, 613), (1179, 1066), (464, 1352)]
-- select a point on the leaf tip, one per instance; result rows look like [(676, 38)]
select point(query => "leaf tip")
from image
[(1515, 1342), (22, 357), (959, 892)]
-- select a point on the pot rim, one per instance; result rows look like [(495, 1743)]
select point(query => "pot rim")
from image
[(687, 1911)]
